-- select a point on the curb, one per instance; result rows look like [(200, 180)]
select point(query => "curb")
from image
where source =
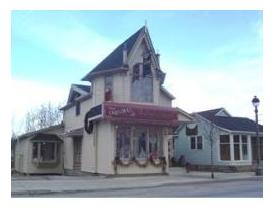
[(38, 192)]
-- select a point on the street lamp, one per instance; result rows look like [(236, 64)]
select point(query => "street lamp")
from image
[(256, 102)]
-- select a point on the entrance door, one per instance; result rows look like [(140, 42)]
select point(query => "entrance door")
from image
[(77, 152)]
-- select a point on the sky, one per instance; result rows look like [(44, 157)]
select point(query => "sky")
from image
[(211, 59)]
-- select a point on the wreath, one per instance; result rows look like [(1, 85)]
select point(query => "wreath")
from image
[(88, 124), (140, 164), (155, 162)]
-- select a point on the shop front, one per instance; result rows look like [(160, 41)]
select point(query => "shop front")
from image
[(140, 135)]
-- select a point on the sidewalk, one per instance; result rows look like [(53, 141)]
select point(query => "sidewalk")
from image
[(37, 185)]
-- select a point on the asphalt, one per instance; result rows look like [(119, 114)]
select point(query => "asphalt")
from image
[(46, 185)]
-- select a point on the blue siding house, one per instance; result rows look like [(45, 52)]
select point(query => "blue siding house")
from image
[(215, 137)]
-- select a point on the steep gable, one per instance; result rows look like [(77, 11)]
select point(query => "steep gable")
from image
[(115, 58), (77, 91)]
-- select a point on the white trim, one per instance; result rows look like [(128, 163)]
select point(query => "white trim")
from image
[(196, 143)]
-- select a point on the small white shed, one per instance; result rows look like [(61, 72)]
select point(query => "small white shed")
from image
[(40, 152)]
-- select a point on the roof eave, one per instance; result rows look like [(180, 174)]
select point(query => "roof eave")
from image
[(92, 75)]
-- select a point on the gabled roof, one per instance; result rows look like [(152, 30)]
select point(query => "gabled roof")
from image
[(230, 122), (210, 114), (41, 131), (115, 58), (85, 88), (236, 123), (77, 91)]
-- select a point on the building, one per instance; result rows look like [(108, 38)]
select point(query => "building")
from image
[(234, 144), (40, 152), (121, 123)]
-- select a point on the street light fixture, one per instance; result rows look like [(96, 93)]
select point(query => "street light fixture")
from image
[(256, 102)]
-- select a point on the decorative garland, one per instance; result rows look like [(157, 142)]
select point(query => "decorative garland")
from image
[(140, 164), (158, 162), (155, 162)]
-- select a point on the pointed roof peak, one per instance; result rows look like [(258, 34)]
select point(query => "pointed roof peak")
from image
[(115, 59)]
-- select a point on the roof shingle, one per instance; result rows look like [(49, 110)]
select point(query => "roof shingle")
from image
[(230, 122), (115, 58)]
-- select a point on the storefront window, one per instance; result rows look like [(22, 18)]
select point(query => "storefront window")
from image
[(141, 144), (123, 142), (154, 144), (138, 142)]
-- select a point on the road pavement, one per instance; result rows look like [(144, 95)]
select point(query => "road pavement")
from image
[(49, 185), (236, 189)]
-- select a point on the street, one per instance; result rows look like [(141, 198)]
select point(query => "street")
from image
[(232, 189)]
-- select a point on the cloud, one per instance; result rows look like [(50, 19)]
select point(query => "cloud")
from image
[(64, 35), (231, 86), (28, 95)]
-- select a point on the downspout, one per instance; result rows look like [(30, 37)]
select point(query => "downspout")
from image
[(96, 147)]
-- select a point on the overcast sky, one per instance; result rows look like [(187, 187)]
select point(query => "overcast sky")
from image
[(212, 58)]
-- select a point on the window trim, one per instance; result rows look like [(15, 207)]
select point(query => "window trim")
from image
[(196, 142), (38, 159), (134, 139), (224, 143)]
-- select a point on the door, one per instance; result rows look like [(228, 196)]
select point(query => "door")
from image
[(77, 152)]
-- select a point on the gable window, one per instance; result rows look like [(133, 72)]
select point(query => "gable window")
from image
[(224, 147), (108, 87), (77, 108), (196, 142), (142, 83)]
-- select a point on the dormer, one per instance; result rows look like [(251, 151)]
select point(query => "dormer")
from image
[(77, 92)]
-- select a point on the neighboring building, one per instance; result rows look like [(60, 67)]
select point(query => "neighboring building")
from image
[(234, 141), (40, 152), (121, 123)]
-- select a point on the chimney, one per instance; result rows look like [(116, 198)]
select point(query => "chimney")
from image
[(125, 54), (158, 57)]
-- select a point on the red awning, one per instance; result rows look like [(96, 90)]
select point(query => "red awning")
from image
[(140, 114)]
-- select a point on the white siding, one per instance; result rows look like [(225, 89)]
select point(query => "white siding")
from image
[(164, 100), (68, 153)]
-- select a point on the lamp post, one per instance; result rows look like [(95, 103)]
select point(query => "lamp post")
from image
[(256, 102)]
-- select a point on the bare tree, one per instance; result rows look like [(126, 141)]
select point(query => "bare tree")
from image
[(209, 133), (44, 116)]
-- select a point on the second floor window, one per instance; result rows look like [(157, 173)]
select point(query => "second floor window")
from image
[(108, 88), (142, 83)]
